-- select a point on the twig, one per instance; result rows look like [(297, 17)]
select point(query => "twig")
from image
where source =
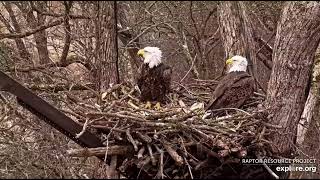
[(201, 164), (111, 90), (83, 129), (151, 155), (72, 16), (214, 110), (112, 150), (208, 151), (160, 172), (265, 43), (162, 114), (144, 31), (33, 31), (272, 125), (106, 153), (109, 128), (144, 162), (133, 105), (189, 167), (145, 138), (193, 62), (130, 139), (186, 127), (141, 151), (268, 169), (175, 156), (258, 94), (60, 87), (121, 116), (183, 147), (107, 109), (3, 98)]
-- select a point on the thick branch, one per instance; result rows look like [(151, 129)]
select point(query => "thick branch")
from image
[(177, 158), (100, 151), (57, 88), (31, 32), (70, 60)]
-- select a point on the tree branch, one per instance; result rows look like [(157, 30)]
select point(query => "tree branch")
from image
[(33, 31), (64, 87), (67, 42), (72, 16), (100, 151)]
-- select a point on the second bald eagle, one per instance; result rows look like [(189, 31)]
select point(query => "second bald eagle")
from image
[(155, 77), (234, 88)]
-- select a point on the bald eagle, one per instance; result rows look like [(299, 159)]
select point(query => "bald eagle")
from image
[(154, 79), (234, 88)]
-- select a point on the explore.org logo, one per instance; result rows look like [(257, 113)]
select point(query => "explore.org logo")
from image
[(297, 168)]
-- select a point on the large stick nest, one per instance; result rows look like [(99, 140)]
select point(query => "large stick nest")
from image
[(180, 140)]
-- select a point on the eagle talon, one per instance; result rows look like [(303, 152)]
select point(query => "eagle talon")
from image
[(148, 105), (157, 106)]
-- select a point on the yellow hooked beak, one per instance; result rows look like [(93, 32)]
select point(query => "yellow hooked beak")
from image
[(141, 53), (229, 61)]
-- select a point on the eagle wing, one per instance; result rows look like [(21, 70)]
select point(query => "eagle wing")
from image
[(232, 91), (139, 77), (154, 83), (166, 74)]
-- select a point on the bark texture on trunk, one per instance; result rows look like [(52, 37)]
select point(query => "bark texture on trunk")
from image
[(231, 29), (125, 36), (310, 106), (297, 38), (106, 50), (237, 33)]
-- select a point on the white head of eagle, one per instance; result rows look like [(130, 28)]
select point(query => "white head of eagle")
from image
[(238, 63), (151, 55)]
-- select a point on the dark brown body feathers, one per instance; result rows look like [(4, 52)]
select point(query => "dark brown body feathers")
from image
[(232, 91), (154, 83)]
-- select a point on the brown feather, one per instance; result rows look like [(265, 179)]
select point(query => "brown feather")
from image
[(154, 83), (232, 91)]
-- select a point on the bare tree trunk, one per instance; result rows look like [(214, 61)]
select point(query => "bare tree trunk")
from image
[(248, 35), (311, 103), (306, 117), (23, 52), (41, 37), (126, 35), (232, 33), (67, 41), (106, 50), (237, 34), (298, 35)]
